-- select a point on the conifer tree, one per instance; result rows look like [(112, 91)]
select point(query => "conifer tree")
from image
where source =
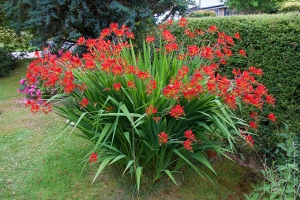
[(67, 20)]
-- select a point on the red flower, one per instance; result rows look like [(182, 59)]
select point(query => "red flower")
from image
[(258, 72), (162, 138), (272, 117), (193, 50), (207, 52), (167, 35), (156, 119), (200, 32), (188, 145), (150, 39), (171, 47), (130, 35), (151, 86), (130, 84), (254, 115), (177, 111), (189, 135), (84, 102), (270, 100), (113, 26), (151, 110), (117, 86), (80, 41), (212, 29), (242, 52), (249, 140), (237, 35), (93, 158), (34, 107), (182, 22), (253, 125), (47, 108)]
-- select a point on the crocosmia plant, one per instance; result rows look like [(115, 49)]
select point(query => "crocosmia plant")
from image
[(152, 112)]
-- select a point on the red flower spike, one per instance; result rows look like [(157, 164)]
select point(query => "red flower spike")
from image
[(193, 50), (150, 39), (162, 138), (156, 119), (117, 86), (177, 111), (254, 115), (130, 84), (249, 140), (242, 52), (270, 100), (237, 36), (151, 110), (253, 125), (183, 22), (80, 41), (93, 158), (188, 145), (113, 26), (272, 117), (84, 102), (189, 135), (168, 36), (212, 29), (34, 107), (130, 35)]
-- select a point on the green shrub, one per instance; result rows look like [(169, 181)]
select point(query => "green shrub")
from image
[(15, 42), (273, 44), (290, 7), (7, 61), (202, 13)]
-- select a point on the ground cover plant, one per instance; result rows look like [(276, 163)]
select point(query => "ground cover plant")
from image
[(151, 114), (38, 164)]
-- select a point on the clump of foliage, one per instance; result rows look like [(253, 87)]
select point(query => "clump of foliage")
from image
[(7, 62), (154, 112), (202, 13), (282, 180), (15, 42), (290, 7), (253, 6), (273, 45)]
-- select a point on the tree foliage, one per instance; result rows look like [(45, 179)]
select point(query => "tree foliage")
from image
[(69, 19), (253, 6)]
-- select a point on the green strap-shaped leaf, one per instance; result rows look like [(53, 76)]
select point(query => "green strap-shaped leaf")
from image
[(128, 165), (138, 173), (102, 166), (170, 175), (117, 158), (203, 160)]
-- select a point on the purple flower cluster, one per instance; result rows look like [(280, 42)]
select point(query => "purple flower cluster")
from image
[(31, 91)]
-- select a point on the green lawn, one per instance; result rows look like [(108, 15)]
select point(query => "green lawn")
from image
[(35, 163)]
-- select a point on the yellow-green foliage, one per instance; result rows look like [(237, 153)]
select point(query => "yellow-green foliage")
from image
[(290, 7), (203, 13)]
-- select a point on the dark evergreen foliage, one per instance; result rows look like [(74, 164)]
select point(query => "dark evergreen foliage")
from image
[(64, 20)]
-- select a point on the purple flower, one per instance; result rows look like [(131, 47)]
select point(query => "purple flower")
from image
[(22, 81)]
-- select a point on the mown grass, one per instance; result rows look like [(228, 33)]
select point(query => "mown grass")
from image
[(35, 163)]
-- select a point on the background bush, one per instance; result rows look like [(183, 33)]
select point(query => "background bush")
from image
[(202, 13), (6, 63), (290, 7), (272, 42)]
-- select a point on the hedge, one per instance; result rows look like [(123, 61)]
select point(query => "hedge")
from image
[(273, 44), (290, 7), (203, 13)]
